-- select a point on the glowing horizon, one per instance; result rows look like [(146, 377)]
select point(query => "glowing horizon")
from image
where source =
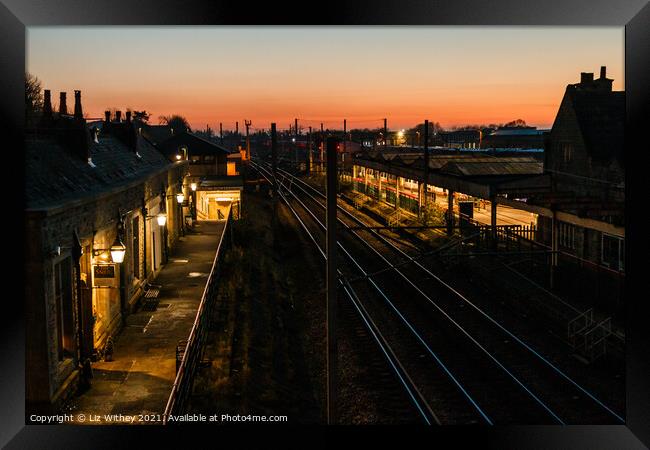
[(451, 75)]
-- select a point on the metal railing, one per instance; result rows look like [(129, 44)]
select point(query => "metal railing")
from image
[(191, 355)]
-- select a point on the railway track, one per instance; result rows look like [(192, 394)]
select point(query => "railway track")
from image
[(396, 346), (504, 379)]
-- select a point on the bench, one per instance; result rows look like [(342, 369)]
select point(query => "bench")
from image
[(151, 293)]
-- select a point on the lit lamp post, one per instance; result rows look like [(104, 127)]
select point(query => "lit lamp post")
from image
[(180, 198), (193, 187), (117, 252)]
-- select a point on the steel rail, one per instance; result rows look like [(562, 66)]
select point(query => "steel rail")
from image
[(413, 392), (417, 335), (468, 302), (452, 321)]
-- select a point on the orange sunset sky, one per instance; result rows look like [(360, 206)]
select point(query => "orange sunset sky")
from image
[(453, 75)]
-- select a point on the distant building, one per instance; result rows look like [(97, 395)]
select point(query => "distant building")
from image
[(514, 137), (460, 138), (205, 157), (155, 133), (585, 145), (94, 196), (214, 174)]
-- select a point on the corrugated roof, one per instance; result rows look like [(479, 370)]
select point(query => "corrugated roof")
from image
[(494, 167)]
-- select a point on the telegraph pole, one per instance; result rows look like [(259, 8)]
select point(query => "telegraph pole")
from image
[(274, 155), (248, 123), (295, 144), (385, 133), (426, 163), (274, 164), (322, 147), (332, 352), (345, 138), (309, 157)]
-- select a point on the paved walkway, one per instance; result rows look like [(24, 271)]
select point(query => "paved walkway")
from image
[(139, 379)]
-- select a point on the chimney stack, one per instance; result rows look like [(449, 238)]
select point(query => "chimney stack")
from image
[(47, 104), (603, 72), (118, 116), (63, 105), (586, 77), (107, 116), (128, 117), (78, 113)]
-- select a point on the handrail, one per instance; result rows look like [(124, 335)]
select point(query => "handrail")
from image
[(184, 372)]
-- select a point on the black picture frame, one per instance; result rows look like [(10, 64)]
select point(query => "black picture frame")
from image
[(634, 15)]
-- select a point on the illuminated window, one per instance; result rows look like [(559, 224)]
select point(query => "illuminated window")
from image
[(208, 159), (63, 302), (136, 247)]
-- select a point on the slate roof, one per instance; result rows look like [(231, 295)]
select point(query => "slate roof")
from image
[(196, 145), (601, 118), (56, 175), (156, 133)]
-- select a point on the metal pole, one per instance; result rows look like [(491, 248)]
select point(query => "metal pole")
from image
[(331, 282), (309, 157), (385, 133), (274, 155), (274, 164), (426, 163)]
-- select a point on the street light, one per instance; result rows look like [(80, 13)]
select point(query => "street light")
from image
[(180, 198), (193, 186), (162, 219)]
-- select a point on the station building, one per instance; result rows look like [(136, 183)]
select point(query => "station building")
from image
[(102, 213), (214, 175)]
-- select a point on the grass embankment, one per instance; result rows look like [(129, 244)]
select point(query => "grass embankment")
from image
[(264, 340)]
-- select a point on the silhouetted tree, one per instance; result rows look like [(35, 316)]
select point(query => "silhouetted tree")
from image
[(516, 123), (141, 116), (177, 122), (33, 95)]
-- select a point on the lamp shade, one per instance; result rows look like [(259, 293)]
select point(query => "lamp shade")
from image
[(193, 186), (118, 250), (180, 197), (162, 219)]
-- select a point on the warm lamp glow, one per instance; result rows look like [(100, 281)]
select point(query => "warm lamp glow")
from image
[(178, 157), (193, 186), (180, 197), (118, 250), (162, 219)]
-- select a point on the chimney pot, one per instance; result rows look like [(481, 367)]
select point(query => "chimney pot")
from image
[(118, 116), (603, 72), (78, 112), (63, 104), (128, 116), (107, 116), (586, 77), (47, 103)]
